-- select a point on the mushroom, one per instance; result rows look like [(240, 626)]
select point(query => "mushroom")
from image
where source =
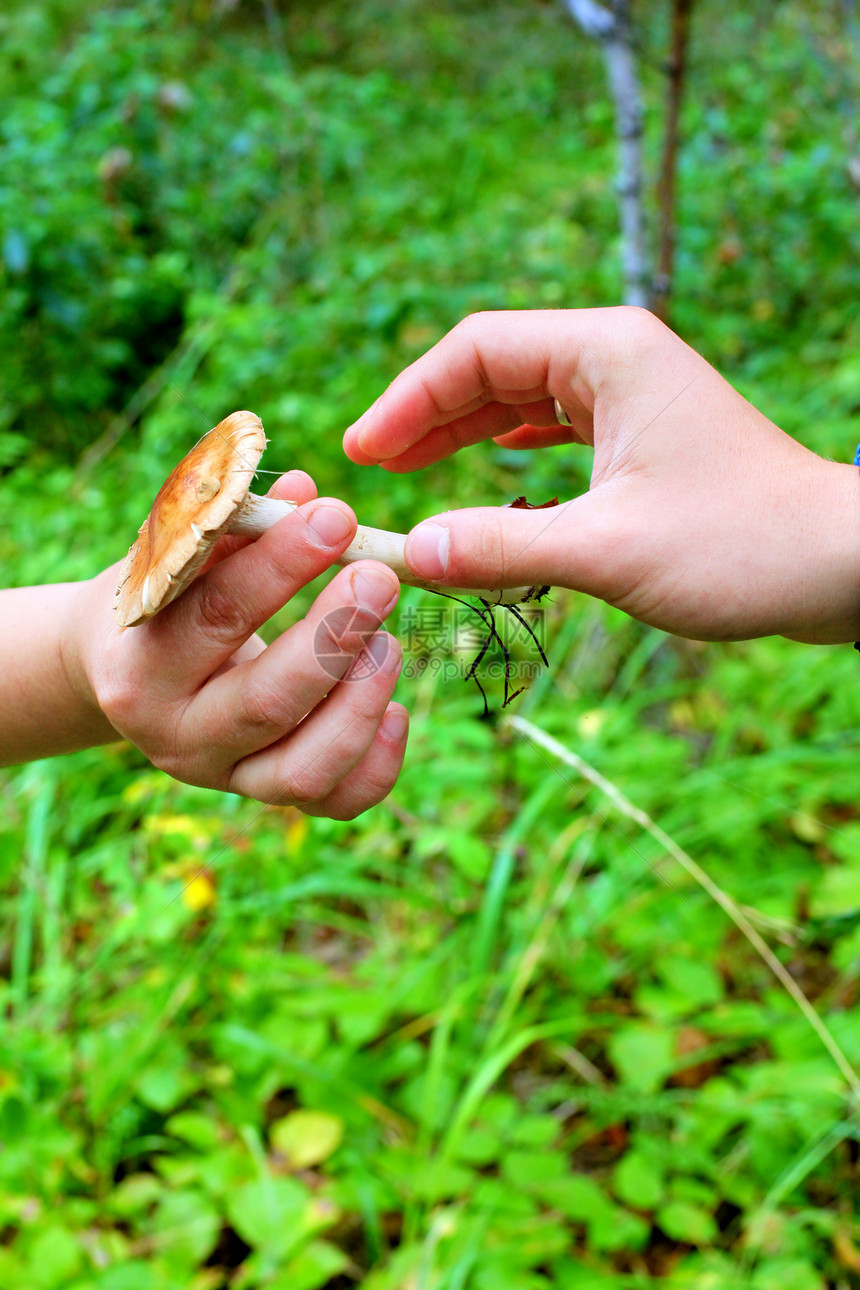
[(206, 496)]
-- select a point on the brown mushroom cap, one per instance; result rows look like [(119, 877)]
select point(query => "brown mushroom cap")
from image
[(193, 508)]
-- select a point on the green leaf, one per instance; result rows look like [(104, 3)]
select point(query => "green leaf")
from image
[(642, 1055), (185, 1227), (270, 1214), (54, 1257), (837, 892), (693, 980), (167, 1080), (134, 1275), (845, 841), (534, 1131), (787, 1274), (638, 1181), (134, 1194), (13, 1119), (572, 1275), (577, 1196), (533, 1168), (615, 1229), (479, 1146), (314, 1267), (686, 1222), (195, 1128)]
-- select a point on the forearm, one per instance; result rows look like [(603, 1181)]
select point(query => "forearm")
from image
[(45, 707)]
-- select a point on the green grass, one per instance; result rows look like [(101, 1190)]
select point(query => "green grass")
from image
[(490, 1036)]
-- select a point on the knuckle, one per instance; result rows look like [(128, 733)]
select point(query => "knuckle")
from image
[(346, 811), (288, 554), (312, 782), (221, 615), (167, 756), (358, 797), (636, 315), (307, 786), (374, 789), (171, 764), (473, 323), (117, 699), (329, 637), (491, 544), (344, 631), (149, 726), (362, 728), (262, 706), (640, 326)]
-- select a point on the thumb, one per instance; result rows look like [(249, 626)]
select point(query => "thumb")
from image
[(577, 544)]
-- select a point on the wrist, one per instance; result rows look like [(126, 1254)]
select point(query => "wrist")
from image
[(82, 651), (834, 571), (48, 707)]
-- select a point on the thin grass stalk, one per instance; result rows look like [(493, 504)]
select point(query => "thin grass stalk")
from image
[(537, 946), (800, 1168), (495, 893), (490, 1070), (698, 874), (440, 1049), (31, 891)]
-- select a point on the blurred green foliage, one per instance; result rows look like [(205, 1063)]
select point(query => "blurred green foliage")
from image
[(486, 1037)]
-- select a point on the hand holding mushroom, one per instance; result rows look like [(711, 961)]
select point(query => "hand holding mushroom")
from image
[(306, 720)]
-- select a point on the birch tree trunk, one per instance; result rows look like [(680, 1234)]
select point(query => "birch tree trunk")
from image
[(611, 27), (666, 185)]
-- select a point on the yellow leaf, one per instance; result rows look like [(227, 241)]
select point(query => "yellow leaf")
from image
[(199, 829), (306, 1138), (807, 827), (199, 893), (683, 713), (158, 825), (296, 831), (142, 787), (591, 723)]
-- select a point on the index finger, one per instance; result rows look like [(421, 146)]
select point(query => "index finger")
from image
[(489, 363), (200, 631)]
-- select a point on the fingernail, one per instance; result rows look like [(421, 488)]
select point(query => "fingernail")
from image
[(374, 590), (427, 550), (384, 654), (395, 724), (329, 526), (356, 453)]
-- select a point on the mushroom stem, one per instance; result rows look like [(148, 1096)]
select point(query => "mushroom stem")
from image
[(257, 514), (206, 495)]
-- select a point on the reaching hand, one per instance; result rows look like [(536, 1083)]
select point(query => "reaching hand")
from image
[(703, 518)]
